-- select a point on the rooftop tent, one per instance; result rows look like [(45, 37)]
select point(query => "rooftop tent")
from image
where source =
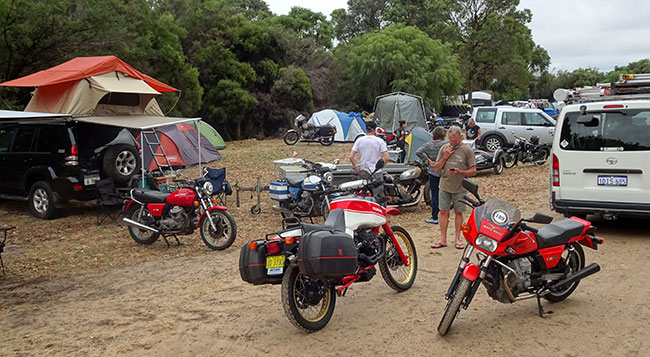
[(93, 86), (211, 134), (348, 126), (417, 138), (391, 108), (479, 99)]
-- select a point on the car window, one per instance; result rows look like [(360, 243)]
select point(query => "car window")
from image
[(624, 130), (6, 134), (52, 139), (23, 139), (486, 115), (534, 119), (511, 118)]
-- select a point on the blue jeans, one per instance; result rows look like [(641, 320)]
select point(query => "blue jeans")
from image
[(434, 183)]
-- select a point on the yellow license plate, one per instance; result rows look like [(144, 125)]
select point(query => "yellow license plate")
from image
[(275, 261)]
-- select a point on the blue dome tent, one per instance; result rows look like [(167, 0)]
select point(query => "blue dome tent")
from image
[(348, 126)]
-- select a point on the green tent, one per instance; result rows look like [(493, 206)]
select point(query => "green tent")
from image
[(391, 108), (211, 134), (414, 141)]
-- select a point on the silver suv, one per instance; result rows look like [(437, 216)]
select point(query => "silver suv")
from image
[(500, 125)]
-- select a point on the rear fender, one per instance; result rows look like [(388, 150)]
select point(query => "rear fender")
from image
[(497, 155), (471, 272), (393, 211)]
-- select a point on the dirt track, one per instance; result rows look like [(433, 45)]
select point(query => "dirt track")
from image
[(198, 305)]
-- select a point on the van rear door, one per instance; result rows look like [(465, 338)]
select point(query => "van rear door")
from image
[(608, 158)]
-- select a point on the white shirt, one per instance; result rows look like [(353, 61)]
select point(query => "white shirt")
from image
[(369, 148)]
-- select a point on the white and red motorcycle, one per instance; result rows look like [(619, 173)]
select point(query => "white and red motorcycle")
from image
[(316, 263)]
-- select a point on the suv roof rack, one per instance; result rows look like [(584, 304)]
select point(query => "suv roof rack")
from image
[(628, 87)]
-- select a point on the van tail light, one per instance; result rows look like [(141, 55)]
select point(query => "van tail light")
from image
[(556, 171), (73, 158)]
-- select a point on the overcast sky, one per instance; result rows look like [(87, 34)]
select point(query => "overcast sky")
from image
[(576, 34)]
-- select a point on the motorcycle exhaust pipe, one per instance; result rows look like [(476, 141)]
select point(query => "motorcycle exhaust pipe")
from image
[(131, 222), (590, 269)]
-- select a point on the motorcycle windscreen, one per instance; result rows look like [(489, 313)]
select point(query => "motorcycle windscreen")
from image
[(500, 213)]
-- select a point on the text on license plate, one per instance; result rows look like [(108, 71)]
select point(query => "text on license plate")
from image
[(612, 180), (90, 179), (275, 264)]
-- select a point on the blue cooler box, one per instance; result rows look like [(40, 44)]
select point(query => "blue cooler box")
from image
[(279, 190)]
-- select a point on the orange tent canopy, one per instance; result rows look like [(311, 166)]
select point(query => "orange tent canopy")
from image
[(84, 67)]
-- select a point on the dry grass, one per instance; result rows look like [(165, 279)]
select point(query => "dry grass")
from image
[(74, 243)]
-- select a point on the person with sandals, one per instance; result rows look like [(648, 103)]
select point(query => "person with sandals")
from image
[(455, 161)]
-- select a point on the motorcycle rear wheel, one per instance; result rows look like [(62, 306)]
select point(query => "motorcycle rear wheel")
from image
[(575, 261), (453, 306), (291, 138), (225, 233), (141, 236), (398, 276), (510, 159), (541, 157), (326, 140), (299, 297)]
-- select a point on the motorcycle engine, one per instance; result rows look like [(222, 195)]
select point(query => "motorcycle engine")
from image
[(310, 133), (176, 219), (518, 283), (306, 203), (368, 246)]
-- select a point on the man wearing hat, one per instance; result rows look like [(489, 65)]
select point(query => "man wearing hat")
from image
[(370, 149)]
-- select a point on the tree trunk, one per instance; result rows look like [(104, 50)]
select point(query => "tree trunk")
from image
[(238, 130)]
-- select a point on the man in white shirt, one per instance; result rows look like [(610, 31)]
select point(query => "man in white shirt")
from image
[(370, 149)]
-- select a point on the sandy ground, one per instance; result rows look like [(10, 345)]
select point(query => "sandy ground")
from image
[(198, 305)]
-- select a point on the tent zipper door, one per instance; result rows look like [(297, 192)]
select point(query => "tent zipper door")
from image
[(153, 142)]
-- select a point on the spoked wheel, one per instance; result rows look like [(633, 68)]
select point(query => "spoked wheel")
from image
[(327, 140), (142, 216), (498, 169), (510, 159), (224, 232), (573, 259), (396, 274), (308, 303), (291, 138), (540, 157), (453, 306)]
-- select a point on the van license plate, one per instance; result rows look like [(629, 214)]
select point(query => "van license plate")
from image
[(90, 179), (612, 180), (275, 264)]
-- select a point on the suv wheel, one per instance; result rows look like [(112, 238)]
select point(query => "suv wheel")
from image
[(121, 162), (492, 143), (41, 200)]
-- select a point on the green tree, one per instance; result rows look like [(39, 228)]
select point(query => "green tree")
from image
[(362, 16), (308, 25)]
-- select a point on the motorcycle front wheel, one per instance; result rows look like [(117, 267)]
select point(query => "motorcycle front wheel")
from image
[(510, 159), (574, 261), (142, 216), (395, 273), (224, 232), (291, 138), (453, 306), (307, 302)]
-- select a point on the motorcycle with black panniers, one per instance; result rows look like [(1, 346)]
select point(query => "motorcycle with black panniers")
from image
[(517, 261), (306, 132), (315, 264)]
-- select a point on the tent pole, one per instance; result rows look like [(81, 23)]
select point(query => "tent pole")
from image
[(199, 125), (142, 155)]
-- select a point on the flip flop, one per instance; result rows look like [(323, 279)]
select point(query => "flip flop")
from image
[(460, 246), (438, 245)]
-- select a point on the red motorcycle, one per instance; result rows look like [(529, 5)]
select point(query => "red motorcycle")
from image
[(517, 261), (316, 263), (151, 214)]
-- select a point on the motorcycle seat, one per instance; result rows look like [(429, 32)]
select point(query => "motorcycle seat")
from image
[(335, 222), (149, 196), (558, 233), (294, 181)]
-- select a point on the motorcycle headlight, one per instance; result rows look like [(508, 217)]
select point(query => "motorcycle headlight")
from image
[(486, 243), (207, 186), (328, 177)]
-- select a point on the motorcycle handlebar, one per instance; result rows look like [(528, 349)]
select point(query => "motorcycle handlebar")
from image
[(528, 228)]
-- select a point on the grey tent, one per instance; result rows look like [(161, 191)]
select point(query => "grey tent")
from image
[(391, 108), (417, 138)]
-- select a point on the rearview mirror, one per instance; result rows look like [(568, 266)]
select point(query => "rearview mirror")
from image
[(379, 165), (541, 218), (471, 187)]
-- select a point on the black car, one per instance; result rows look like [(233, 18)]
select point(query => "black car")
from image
[(56, 160)]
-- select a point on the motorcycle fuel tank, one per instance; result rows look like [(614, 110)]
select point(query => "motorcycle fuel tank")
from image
[(359, 213), (410, 174), (183, 197), (311, 183)]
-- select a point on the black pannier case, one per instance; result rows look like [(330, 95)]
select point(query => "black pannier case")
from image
[(326, 130), (252, 265), (327, 254)]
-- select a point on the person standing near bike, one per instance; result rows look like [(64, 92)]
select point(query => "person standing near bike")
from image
[(401, 135), (429, 152), (455, 161), (370, 149), (473, 131)]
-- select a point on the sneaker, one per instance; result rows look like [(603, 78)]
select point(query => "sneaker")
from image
[(431, 220)]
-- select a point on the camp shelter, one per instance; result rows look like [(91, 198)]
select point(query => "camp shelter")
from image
[(180, 143), (348, 126), (417, 138), (102, 85), (391, 108), (211, 134)]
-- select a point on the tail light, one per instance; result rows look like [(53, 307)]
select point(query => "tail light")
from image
[(272, 248), (556, 171), (73, 158)]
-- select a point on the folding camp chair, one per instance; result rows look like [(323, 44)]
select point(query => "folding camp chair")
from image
[(2, 247), (220, 186), (108, 199)]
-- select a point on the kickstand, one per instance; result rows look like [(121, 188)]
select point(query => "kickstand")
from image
[(166, 241), (178, 243), (540, 310)]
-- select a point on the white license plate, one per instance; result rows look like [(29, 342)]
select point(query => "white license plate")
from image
[(90, 179), (612, 180)]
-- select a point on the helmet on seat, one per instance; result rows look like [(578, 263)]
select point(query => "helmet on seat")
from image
[(534, 139)]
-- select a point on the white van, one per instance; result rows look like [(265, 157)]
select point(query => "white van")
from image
[(601, 159)]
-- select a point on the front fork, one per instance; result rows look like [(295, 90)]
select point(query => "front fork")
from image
[(391, 235), (463, 268), (206, 208)]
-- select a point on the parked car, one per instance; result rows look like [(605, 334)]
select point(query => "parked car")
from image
[(498, 124), (56, 160)]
